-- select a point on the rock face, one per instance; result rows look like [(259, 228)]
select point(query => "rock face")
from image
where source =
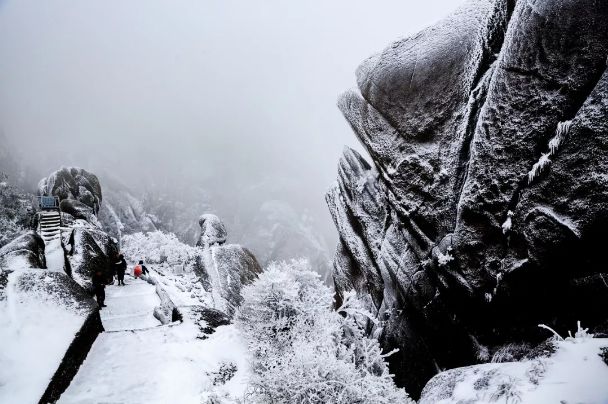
[(87, 246), (47, 325), (481, 215), (213, 231), (73, 184), (223, 268), (26, 251)]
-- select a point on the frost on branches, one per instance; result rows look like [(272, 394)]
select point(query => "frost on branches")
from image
[(157, 248), (304, 352)]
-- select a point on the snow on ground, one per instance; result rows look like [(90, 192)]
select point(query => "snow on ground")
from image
[(35, 331), (130, 307), (54, 255), (574, 374), (163, 364)]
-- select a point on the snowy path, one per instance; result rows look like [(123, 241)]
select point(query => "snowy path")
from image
[(130, 307), (137, 360)]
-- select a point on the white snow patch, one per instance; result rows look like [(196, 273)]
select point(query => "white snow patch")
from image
[(160, 365), (506, 226), (35, 333)]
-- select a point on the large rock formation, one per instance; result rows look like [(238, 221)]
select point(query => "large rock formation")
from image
[(213, 231), (223, 268), (26, 251), (87, 246), (482, 213), (78, 190)]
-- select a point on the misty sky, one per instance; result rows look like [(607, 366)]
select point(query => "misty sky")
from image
[(165, 90)]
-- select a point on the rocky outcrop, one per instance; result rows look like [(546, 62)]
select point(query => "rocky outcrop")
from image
[(73, 184), (47, 326), (26, 251), (213, 231), (87, 247), (223, 268), (482, 213)]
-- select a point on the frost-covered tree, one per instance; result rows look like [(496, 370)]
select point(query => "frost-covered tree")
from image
[(302, 351), (157, 247)]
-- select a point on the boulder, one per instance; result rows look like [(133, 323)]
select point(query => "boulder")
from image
[(26, 251), (213, 231), (482, 211), (78, 210), (73, 183), (226, 269), (90, 249), (47, 326)]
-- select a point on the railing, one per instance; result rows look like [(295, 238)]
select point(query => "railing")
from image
[(48, 202)]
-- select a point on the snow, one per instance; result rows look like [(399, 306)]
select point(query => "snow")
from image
[(35, 331), (132, 306), (162, 364), (55, 259), (506, 226), (574, 374)]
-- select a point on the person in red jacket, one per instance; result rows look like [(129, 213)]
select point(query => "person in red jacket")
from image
[(140, 269)]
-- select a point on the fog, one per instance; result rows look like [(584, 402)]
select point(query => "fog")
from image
[(222, 94)]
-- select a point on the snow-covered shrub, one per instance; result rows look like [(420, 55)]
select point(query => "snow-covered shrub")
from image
[(14, 216), (304, 352), (157, 248), (225, 372)]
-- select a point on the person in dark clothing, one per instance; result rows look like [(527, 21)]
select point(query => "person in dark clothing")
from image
[(119, 268), (99, 286), (144, 270)]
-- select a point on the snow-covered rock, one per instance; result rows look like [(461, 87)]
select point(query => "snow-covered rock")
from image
[(213, 231), (229, 268), (459, 248), (47, 324), (574, 373), (220, 271), (89, 249), (26, 251), (72, 183)]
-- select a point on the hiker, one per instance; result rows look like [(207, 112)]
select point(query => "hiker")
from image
[(99, 286), (119, 268), (140, 269)]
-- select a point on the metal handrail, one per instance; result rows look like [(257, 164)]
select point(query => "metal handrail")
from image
[(47, 202)]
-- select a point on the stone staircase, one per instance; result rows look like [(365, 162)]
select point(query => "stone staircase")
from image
[(50, 225)]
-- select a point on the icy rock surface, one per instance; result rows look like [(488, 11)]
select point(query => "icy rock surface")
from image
[(26, 251), (89, 249), (575, 372), (458, 248), (40, 316), (213, 231), (74, 184)]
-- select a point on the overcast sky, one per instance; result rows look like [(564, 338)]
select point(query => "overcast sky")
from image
[(164, 89)]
